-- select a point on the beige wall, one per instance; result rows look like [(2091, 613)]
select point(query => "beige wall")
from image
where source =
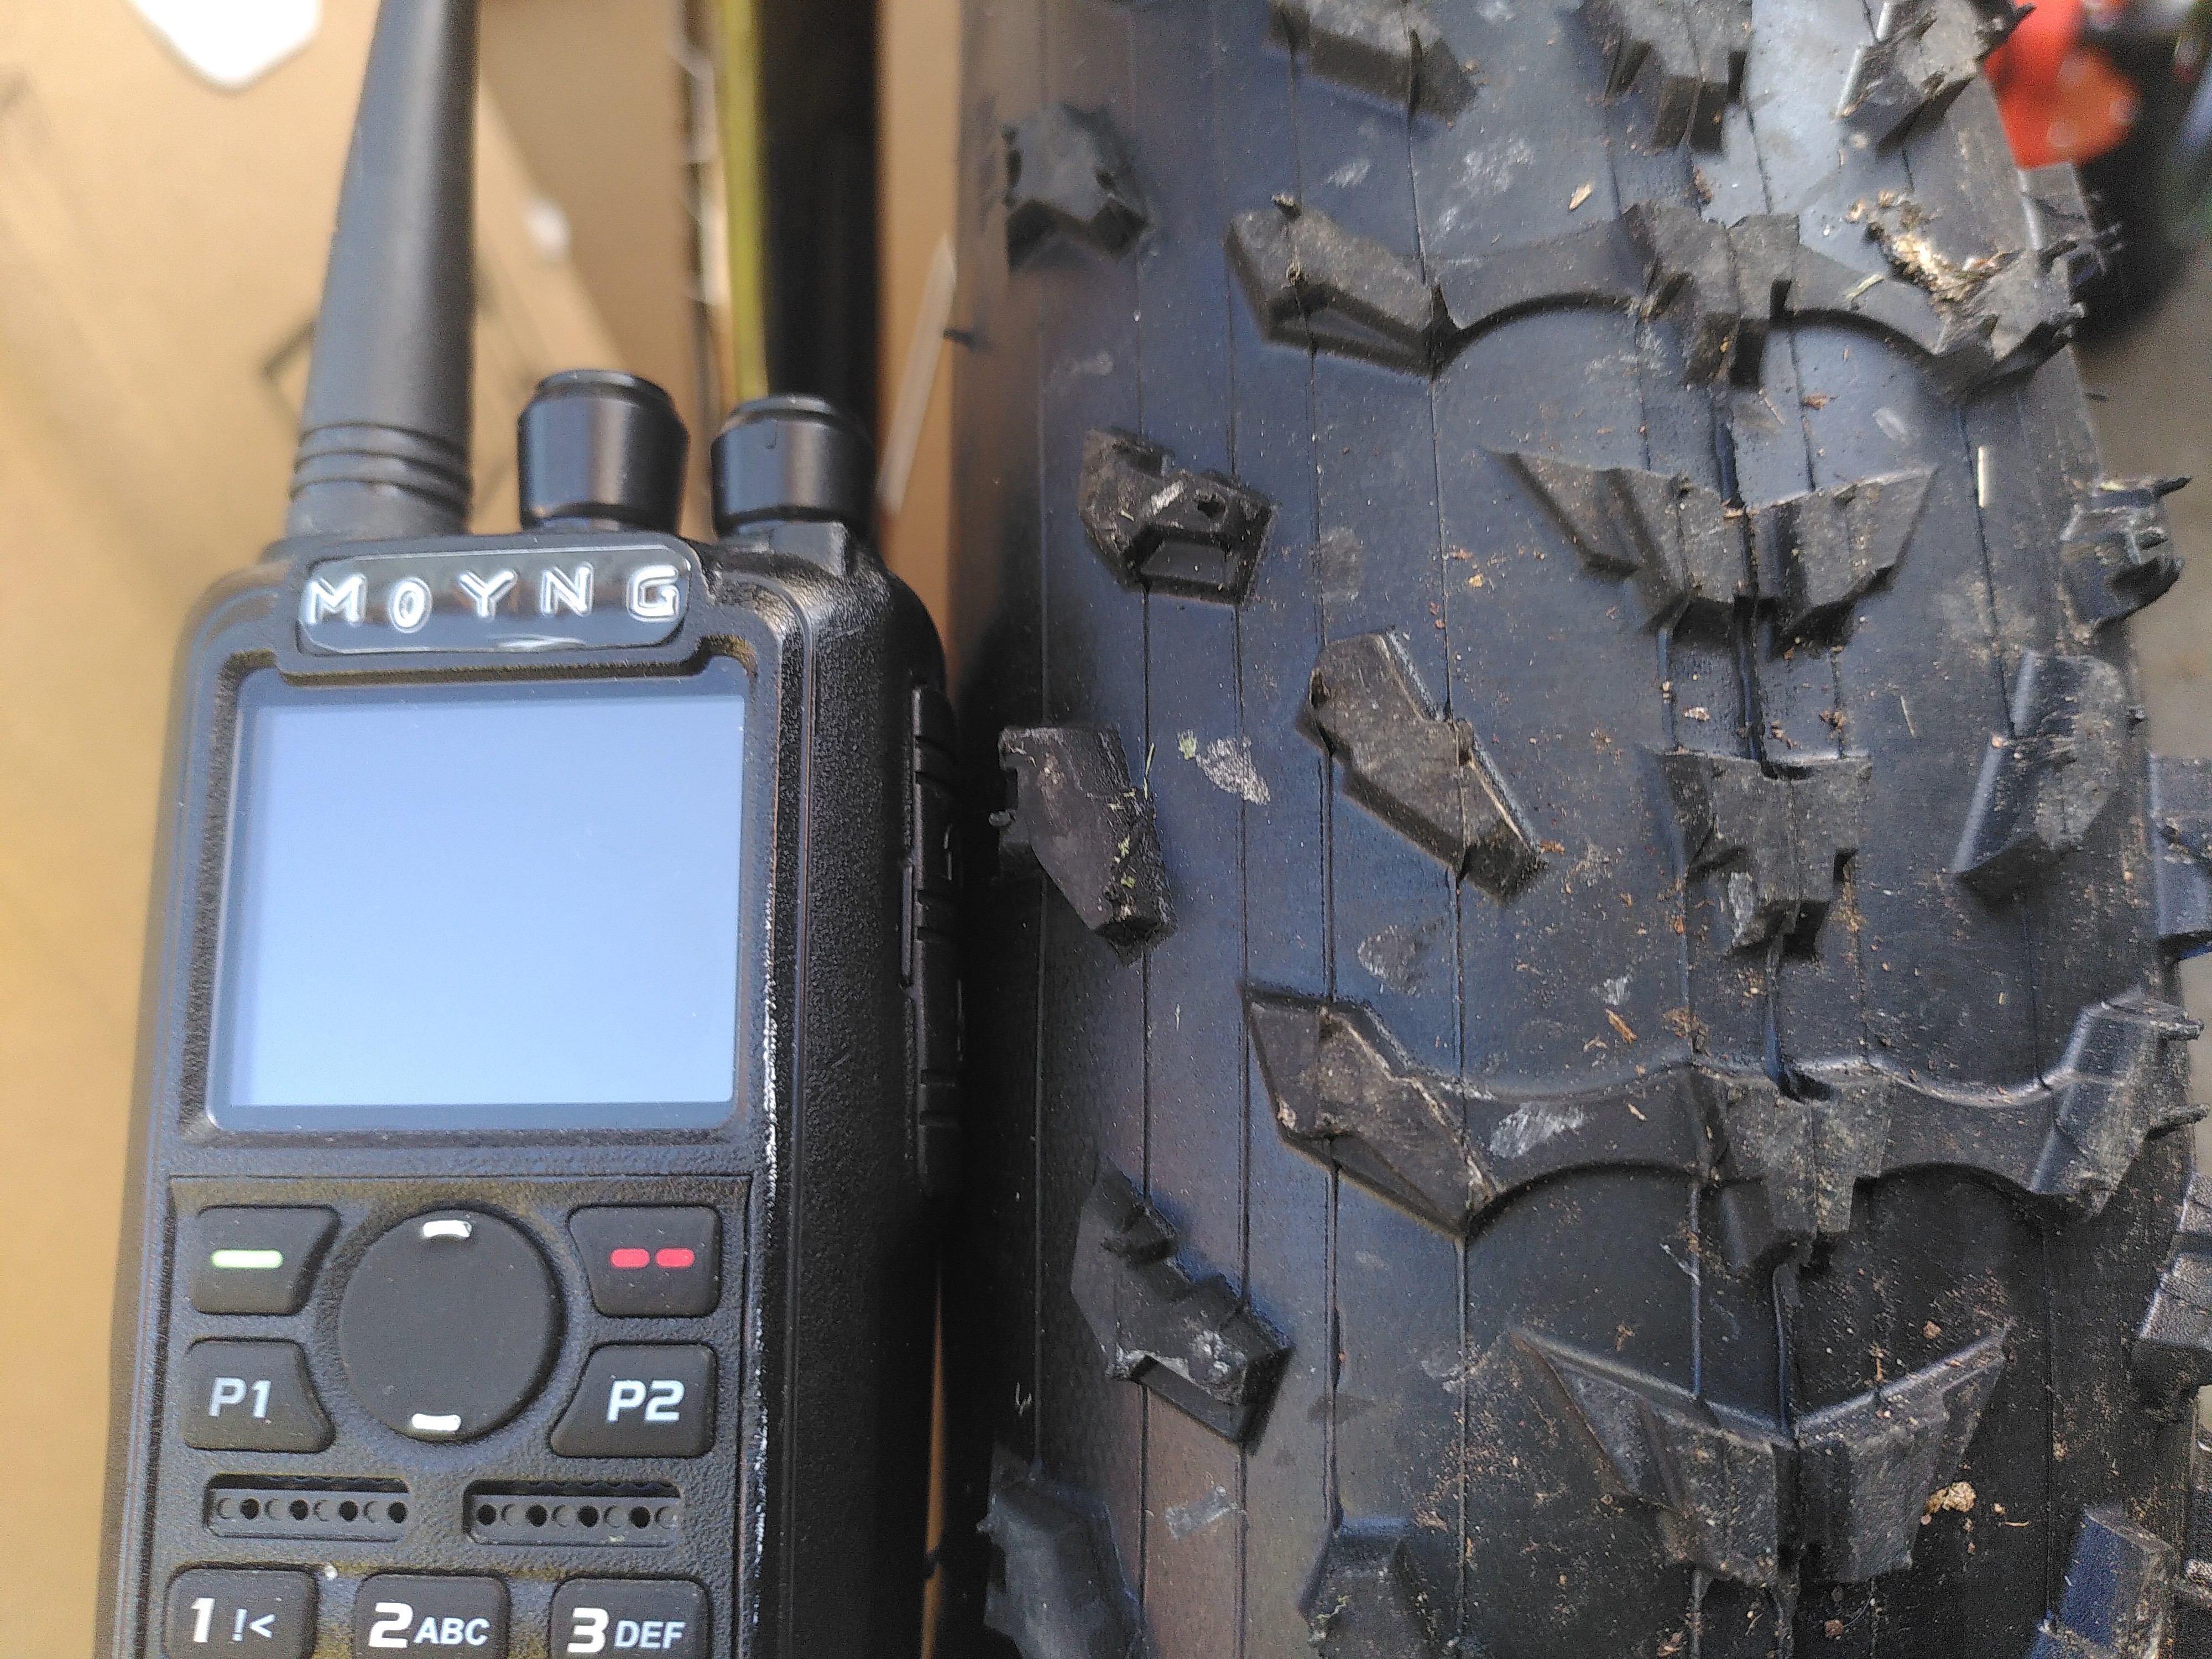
[(917, 124), (593, 94), (917, 113), (161, 245)]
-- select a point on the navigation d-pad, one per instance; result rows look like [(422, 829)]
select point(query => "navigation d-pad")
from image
[(448, 1325)]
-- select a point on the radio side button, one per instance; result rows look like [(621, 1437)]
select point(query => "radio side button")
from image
[(431, 1616), (936, 732), (622, 1617), (641, 1401), (937, 1000), (650, 1260), (256, 1611), (930, 930), (937, 1137), (250, 1396), (255, 1259), (933, 851)]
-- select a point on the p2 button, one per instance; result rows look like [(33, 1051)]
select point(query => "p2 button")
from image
[(642, 1399)]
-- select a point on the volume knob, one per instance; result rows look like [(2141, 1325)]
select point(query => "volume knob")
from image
[(792, 457)]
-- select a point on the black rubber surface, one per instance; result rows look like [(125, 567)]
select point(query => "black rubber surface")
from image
[(1647, 1116)]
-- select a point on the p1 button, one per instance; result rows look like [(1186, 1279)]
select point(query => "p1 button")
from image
[(431, 1617), (641, 1401), (251, 1396), (623, 1618), (252, 1612)]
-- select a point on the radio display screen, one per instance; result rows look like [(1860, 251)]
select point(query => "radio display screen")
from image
[(511, 906)]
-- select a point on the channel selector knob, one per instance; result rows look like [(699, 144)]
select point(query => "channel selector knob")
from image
[(448, 1325), (598, 449)]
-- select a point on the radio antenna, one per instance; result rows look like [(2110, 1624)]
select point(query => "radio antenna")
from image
[(383, 432)]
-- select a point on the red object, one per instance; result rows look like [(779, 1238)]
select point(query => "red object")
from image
[(628, 1258), (2061, 101), (674, 1256)]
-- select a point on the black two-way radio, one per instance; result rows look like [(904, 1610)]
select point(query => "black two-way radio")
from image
[(549, 1020)]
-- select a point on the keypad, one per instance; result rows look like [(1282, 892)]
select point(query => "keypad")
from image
[(250, 1396), (445, 1324)]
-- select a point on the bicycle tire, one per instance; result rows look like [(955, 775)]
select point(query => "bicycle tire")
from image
[(1572, 1038)]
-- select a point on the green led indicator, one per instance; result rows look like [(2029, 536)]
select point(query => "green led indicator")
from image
[(246, 1260)]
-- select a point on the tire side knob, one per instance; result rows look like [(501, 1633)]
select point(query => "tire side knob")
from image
[(602, 450)]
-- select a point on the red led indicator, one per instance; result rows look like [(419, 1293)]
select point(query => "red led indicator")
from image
[(674, 1256), (628, 1258)]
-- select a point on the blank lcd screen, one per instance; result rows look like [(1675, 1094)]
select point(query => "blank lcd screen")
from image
[(483, 908)]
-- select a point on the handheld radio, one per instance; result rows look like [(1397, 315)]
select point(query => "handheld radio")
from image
[(548, 1042)]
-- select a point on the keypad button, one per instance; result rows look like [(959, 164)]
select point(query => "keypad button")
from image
[(644, 1261), (448, 1326), (641, 1400), (250, 1396), (607, 1618), (430, 1615), (249, 1612), (256, 1259)]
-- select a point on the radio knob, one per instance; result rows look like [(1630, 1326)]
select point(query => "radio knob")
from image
[(596, 449), (448, 1325), (792, 457)]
